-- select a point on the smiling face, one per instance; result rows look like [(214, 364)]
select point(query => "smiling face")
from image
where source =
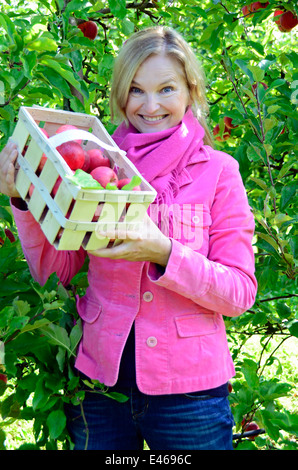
[(158, 95)]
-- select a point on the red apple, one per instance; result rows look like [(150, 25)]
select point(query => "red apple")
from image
[(9, 235), (42, 162), (56, 186), (97, 158), (104, 175), (125, 181), (252, 7), (89, 29), (45, 132), (228, 123), (86, 165), (278, 13), (97, 212), (252, 426), (226, 133), (245, 10), (68, 127), (288, 21), (73, 154), (31, 188), (3, 377), (11, 238), (258, 5)]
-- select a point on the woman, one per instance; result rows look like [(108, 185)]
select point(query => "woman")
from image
[(153, 311)]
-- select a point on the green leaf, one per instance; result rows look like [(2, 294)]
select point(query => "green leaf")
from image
[(7, 25), (75, 336), (260, 183), (244, 66), (269, 240), (135, 181), (41, 394), (118, 8), (293, 328), (259, 48), (57, 335), (258, 74), (84, 180), (65, 72), (43, 44), (6, 215), (55, 80), (249, 369), (287, 195), (74, 5), (283, 310), (56, 422), (120, 397)]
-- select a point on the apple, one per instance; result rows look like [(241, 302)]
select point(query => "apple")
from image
[(245, 10), (86, 165), (252, 7), (258, 5), (288, 21), (89, 29), (68, 127), (97, 158), (44, 132), (278, 13), (104, 175), (31, 188), (125, 181), (9, 235), (3, 377), (97, 212), (226, 133), (56, 186), (73, 154), (252, 426), (42, 162), (228, 123)]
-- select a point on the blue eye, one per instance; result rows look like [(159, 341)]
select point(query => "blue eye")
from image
[(167, 89), (135, 90)]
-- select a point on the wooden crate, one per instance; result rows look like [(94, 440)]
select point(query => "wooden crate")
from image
[(66, 218)]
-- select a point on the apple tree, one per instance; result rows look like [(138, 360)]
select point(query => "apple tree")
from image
[(60, 54)]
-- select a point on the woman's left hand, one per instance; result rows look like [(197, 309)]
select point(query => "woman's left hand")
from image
[(146, 244)]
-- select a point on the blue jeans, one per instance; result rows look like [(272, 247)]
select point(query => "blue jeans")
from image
[(165, 422)]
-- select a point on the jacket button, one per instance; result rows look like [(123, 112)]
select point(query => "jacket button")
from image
[(147, 296), (151, 341)]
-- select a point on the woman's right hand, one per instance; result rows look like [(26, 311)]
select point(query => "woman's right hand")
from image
[(8, 158)]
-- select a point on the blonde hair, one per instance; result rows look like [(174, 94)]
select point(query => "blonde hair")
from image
[(158, 40)]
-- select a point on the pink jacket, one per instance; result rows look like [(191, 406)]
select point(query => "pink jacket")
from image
[(180, 335)]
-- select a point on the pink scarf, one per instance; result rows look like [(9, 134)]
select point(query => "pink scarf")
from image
[(161, 156)]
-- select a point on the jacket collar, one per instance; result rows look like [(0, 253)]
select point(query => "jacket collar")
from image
[(202, 155)]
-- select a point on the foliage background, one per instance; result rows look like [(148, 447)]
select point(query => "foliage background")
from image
[(45, 60)]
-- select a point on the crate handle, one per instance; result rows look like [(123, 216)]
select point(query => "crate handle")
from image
[(75, 134)]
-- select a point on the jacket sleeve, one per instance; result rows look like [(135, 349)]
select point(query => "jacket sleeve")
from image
[(43, 259), (223, 281)]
